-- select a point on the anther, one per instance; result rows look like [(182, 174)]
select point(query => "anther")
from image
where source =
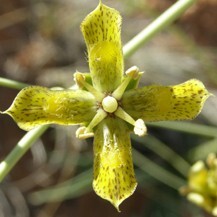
[(82, 133), (80, 81), (132, 72), (86, 132), (139, 128)]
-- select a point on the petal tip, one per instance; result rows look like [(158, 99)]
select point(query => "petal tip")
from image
[(117, 203), (115, 198)]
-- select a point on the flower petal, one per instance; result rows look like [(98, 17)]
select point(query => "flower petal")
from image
[(114, 178), (36, 105), (101, 31), (157, 103)]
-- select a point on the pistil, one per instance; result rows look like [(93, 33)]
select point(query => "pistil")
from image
[(109, 104)]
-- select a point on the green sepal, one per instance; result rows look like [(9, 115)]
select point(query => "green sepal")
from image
[(161, 103), (35, 105), (114, 178), (101, 31)]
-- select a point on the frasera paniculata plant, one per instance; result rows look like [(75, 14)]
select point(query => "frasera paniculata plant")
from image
[(108, 105)]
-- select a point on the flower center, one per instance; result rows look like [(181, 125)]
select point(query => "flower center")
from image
[(109, 104)]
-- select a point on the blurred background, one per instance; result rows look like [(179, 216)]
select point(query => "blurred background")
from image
[(41, 43)]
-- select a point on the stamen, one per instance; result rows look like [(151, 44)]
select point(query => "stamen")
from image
[(80, 80), (86, 132), (139, 125), (123, 115), (131, 73)]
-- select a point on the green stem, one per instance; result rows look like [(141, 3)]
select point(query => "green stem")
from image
[(72, 188), (157, 172), (20, 149), (202, 150), (156, 26), (186, 127), (175, 160), (12, 84)]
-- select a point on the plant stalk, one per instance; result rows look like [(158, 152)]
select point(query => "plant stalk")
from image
[(20, 149), (156, 26)]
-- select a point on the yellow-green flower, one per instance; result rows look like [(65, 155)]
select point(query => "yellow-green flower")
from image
[(108, 105), (202, 184)]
